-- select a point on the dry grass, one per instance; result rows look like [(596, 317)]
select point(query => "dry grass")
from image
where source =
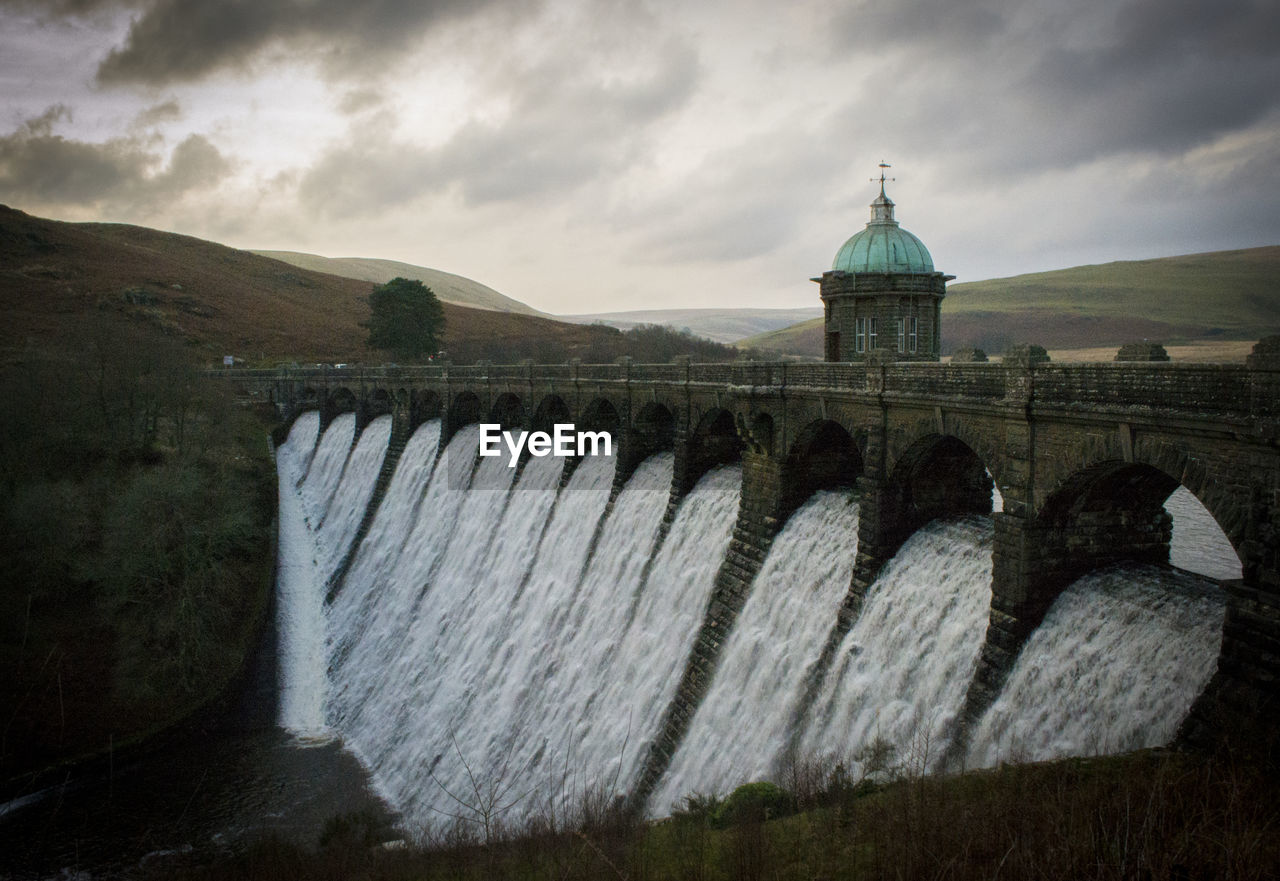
[(1148, 817)]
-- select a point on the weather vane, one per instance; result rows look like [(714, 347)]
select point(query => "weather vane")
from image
[(882, 178)]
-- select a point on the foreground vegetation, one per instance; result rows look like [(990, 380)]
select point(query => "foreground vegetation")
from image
[(136, 541), (1151, 815)]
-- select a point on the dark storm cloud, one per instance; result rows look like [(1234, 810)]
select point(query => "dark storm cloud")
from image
[(1063, 84), (41, 168), (567, 126), (180, 40)]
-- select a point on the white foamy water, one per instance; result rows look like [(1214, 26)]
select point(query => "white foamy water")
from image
[(299, 595), (743, 726), (1115, 666), (325, 470), (1198, 543), (902, 671), (366, 603), (346, 509), (640, 677), (547, 722)]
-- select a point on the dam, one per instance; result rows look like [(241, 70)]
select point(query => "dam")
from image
[(766, 572)]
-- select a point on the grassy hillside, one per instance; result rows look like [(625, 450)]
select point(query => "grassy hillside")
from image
[(721, 325), (1224, 295), (448, 287), (58, 279)]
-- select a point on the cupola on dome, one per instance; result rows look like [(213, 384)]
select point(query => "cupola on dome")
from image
[(883, 246)]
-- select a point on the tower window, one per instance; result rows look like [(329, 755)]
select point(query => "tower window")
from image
[(871, 334), (913, 334), (902, 334), (860, 335)]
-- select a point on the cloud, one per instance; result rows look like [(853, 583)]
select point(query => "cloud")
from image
[(41, 168), (570, 121), (180, 41), (1030, 87)]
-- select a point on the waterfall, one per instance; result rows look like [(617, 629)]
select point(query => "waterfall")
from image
[(903, 669), (502, 645), (346, 508), (743, 725), (299, 616), (361, 607), (1115, 665), (325, 469)]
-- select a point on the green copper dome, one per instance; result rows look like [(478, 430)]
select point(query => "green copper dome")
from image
[(883, 246)]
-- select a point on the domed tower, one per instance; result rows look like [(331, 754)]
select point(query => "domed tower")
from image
[(882, 292)]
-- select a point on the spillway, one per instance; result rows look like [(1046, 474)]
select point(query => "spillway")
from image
[(517, 635), (1120, 656), (743, 726), (902, 671)]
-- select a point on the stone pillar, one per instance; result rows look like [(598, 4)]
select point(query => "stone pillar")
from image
[(760, 515)]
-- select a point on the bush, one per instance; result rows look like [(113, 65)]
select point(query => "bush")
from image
[(755, 802)]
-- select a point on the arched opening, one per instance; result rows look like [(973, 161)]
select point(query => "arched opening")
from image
[(653, 429), (939, 476), (551, 411), (424, 405), (824, 456), (377, 404), (507, 411), (464, 410), (341, 400), (714, 441), (1115, 511), (601, 415)]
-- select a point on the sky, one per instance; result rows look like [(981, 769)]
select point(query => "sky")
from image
[(598, 156)]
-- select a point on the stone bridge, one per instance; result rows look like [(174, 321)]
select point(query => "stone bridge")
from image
[(1084, 456)]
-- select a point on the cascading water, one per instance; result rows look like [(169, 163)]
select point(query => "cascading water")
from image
[(299, 616), (1115, 665), (345, 510), (325, 469), (510, 635), (361, 607), (518, 750), (640, 676), (743, 726), (902, 670)]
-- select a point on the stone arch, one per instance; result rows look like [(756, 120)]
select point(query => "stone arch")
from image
[(983, 444), (601, 415), (1114, 509), (713, 441), (464, 409), (507, 411), (424, 405), (654, 428), (551, 410), (937, 475), (340, 400), (824, 455)]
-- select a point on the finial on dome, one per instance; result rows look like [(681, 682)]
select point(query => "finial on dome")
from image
[(883, 166), (882, 207)]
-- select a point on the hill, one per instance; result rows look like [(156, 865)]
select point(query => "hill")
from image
[(61, 279), (1221, 295), (448, 287), (721, 325)]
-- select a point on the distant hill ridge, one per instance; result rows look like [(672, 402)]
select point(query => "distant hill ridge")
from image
[(1218, 295), (448, 287), (60, 281)]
